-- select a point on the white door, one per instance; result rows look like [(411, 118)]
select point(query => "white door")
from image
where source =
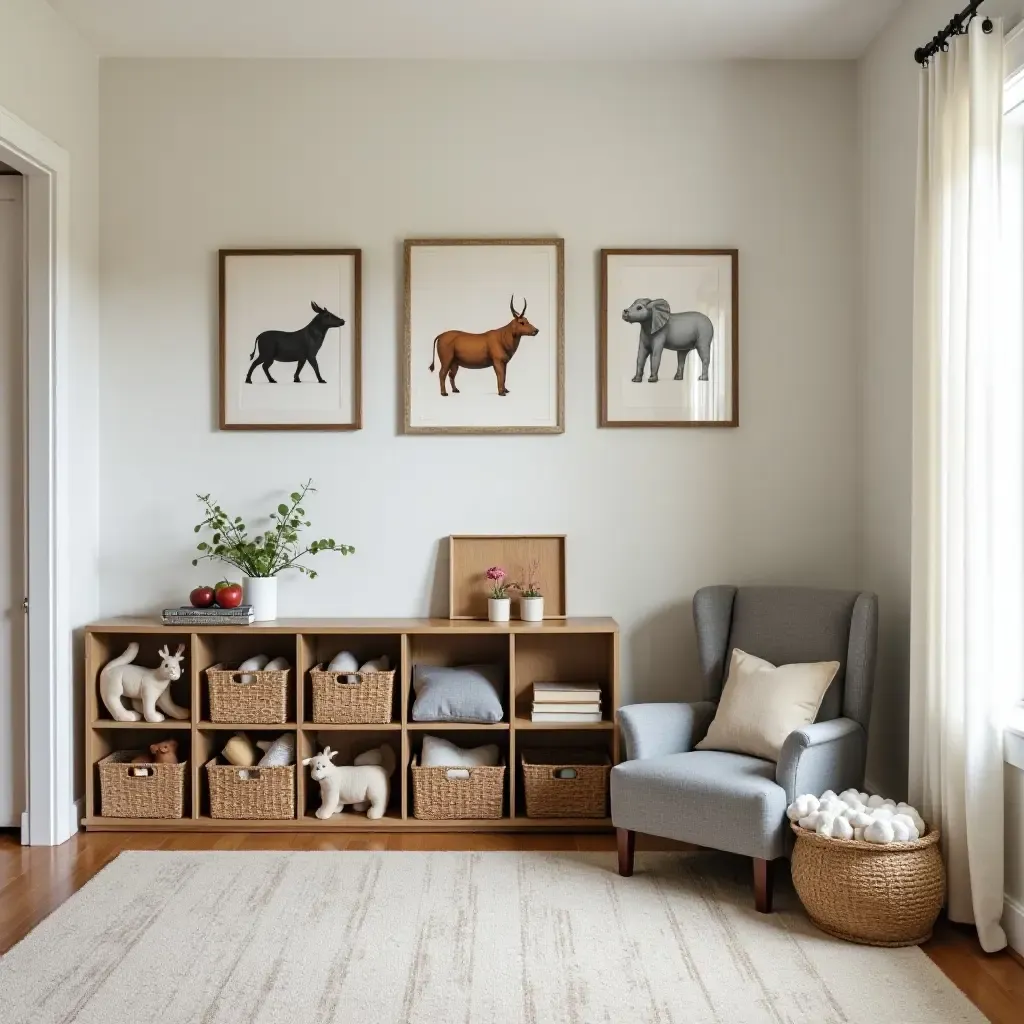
[(12, 505)]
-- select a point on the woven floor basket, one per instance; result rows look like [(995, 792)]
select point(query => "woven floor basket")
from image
[(446, 793), (263, 701), (339, 702), (566, 784), (266, 793), (140, 790), (879, 895)]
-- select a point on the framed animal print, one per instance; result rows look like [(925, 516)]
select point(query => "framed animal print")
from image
[(289, 339), (484, 345), (669, 345)]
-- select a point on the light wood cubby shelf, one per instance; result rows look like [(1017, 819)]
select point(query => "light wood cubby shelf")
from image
[(567, 650)]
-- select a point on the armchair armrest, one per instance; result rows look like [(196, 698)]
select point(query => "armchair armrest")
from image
[(825, 755), (654, 730)]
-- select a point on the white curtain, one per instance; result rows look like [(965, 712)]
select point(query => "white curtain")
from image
[(968, 497)]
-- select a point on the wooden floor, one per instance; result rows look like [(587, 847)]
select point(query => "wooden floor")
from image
[(36, 880)]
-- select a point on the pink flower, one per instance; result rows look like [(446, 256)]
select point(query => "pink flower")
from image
[(496, 573)]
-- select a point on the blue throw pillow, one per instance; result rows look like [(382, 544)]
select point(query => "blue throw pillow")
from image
[(469, 693)]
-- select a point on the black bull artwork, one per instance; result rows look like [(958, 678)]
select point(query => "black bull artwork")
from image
[(299, 346)]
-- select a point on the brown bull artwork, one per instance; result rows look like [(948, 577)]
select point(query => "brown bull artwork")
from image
[(455, 349)]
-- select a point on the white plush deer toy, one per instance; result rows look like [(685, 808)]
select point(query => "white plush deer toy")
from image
[(365, 785), (146, 688)]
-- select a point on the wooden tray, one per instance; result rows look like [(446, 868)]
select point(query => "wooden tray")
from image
[(469, 558)]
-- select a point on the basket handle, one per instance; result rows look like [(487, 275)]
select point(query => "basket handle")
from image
[(140, 771), (347, 678), (457, 774), (564, 773), (249, 774)]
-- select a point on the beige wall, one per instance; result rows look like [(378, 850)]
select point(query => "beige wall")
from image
[(202, 154)]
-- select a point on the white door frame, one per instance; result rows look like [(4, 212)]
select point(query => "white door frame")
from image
[(51, 815)]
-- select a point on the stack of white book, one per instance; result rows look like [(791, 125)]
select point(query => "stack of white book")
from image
[(572, 703)]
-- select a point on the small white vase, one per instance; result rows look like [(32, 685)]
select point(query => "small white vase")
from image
[(531, 609), (261, 593), (499, 609)]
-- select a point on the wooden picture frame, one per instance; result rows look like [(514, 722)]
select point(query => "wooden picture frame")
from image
[(427, 316), (722, 401), (345, 340), (471, 555)]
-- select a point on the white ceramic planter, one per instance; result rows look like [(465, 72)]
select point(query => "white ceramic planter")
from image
[(261, 593), (531, 609), (499, 609)]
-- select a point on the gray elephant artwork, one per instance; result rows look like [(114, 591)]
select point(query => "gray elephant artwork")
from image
[(693, 315), (661, 329)]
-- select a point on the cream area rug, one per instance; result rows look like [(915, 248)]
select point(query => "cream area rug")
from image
[(449, 938)]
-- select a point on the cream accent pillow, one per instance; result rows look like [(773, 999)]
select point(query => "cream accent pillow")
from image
[(761, 704)]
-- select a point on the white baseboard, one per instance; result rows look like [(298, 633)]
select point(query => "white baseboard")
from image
[(1013, 923), (77, 813)]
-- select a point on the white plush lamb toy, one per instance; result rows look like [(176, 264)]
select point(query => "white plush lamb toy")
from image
[(363, 785)]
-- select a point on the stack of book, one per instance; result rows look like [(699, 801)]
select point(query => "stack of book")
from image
[(188, 616), (571, 703)]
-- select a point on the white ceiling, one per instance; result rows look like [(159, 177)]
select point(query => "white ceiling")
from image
[(481, 29)]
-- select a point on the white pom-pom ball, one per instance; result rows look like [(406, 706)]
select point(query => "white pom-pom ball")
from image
[(842, 829), (874, 801), (829, 794), (811, 821), (825, 823), (861, 819), (883, 813), (864, 799), (912, 813), (905, 822), (901, 831), (879, 832), (802, 806), (858, 834)]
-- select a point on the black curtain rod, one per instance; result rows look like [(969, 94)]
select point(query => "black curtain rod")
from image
[(957, 27)]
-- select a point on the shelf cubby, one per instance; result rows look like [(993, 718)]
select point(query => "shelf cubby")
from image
[(110, 737), (102, 647), (230, 650), (350, 743), (565, 740), (566, 650), (320, 648)]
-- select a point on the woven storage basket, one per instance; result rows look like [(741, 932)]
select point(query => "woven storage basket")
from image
[(140, 790), (878, 895), (445, 793), (264, 701), (251, 793), (365, 702), (566, 784)]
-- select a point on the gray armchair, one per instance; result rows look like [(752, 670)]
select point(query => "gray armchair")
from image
[(730, 801)]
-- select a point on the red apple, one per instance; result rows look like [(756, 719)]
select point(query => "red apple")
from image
[(229, 595), (202, 597)]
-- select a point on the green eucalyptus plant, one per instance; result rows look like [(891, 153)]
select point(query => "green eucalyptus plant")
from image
[(268, 553)]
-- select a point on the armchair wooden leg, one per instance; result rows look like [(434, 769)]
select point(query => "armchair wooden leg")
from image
[(626, 841), (764, 879)]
